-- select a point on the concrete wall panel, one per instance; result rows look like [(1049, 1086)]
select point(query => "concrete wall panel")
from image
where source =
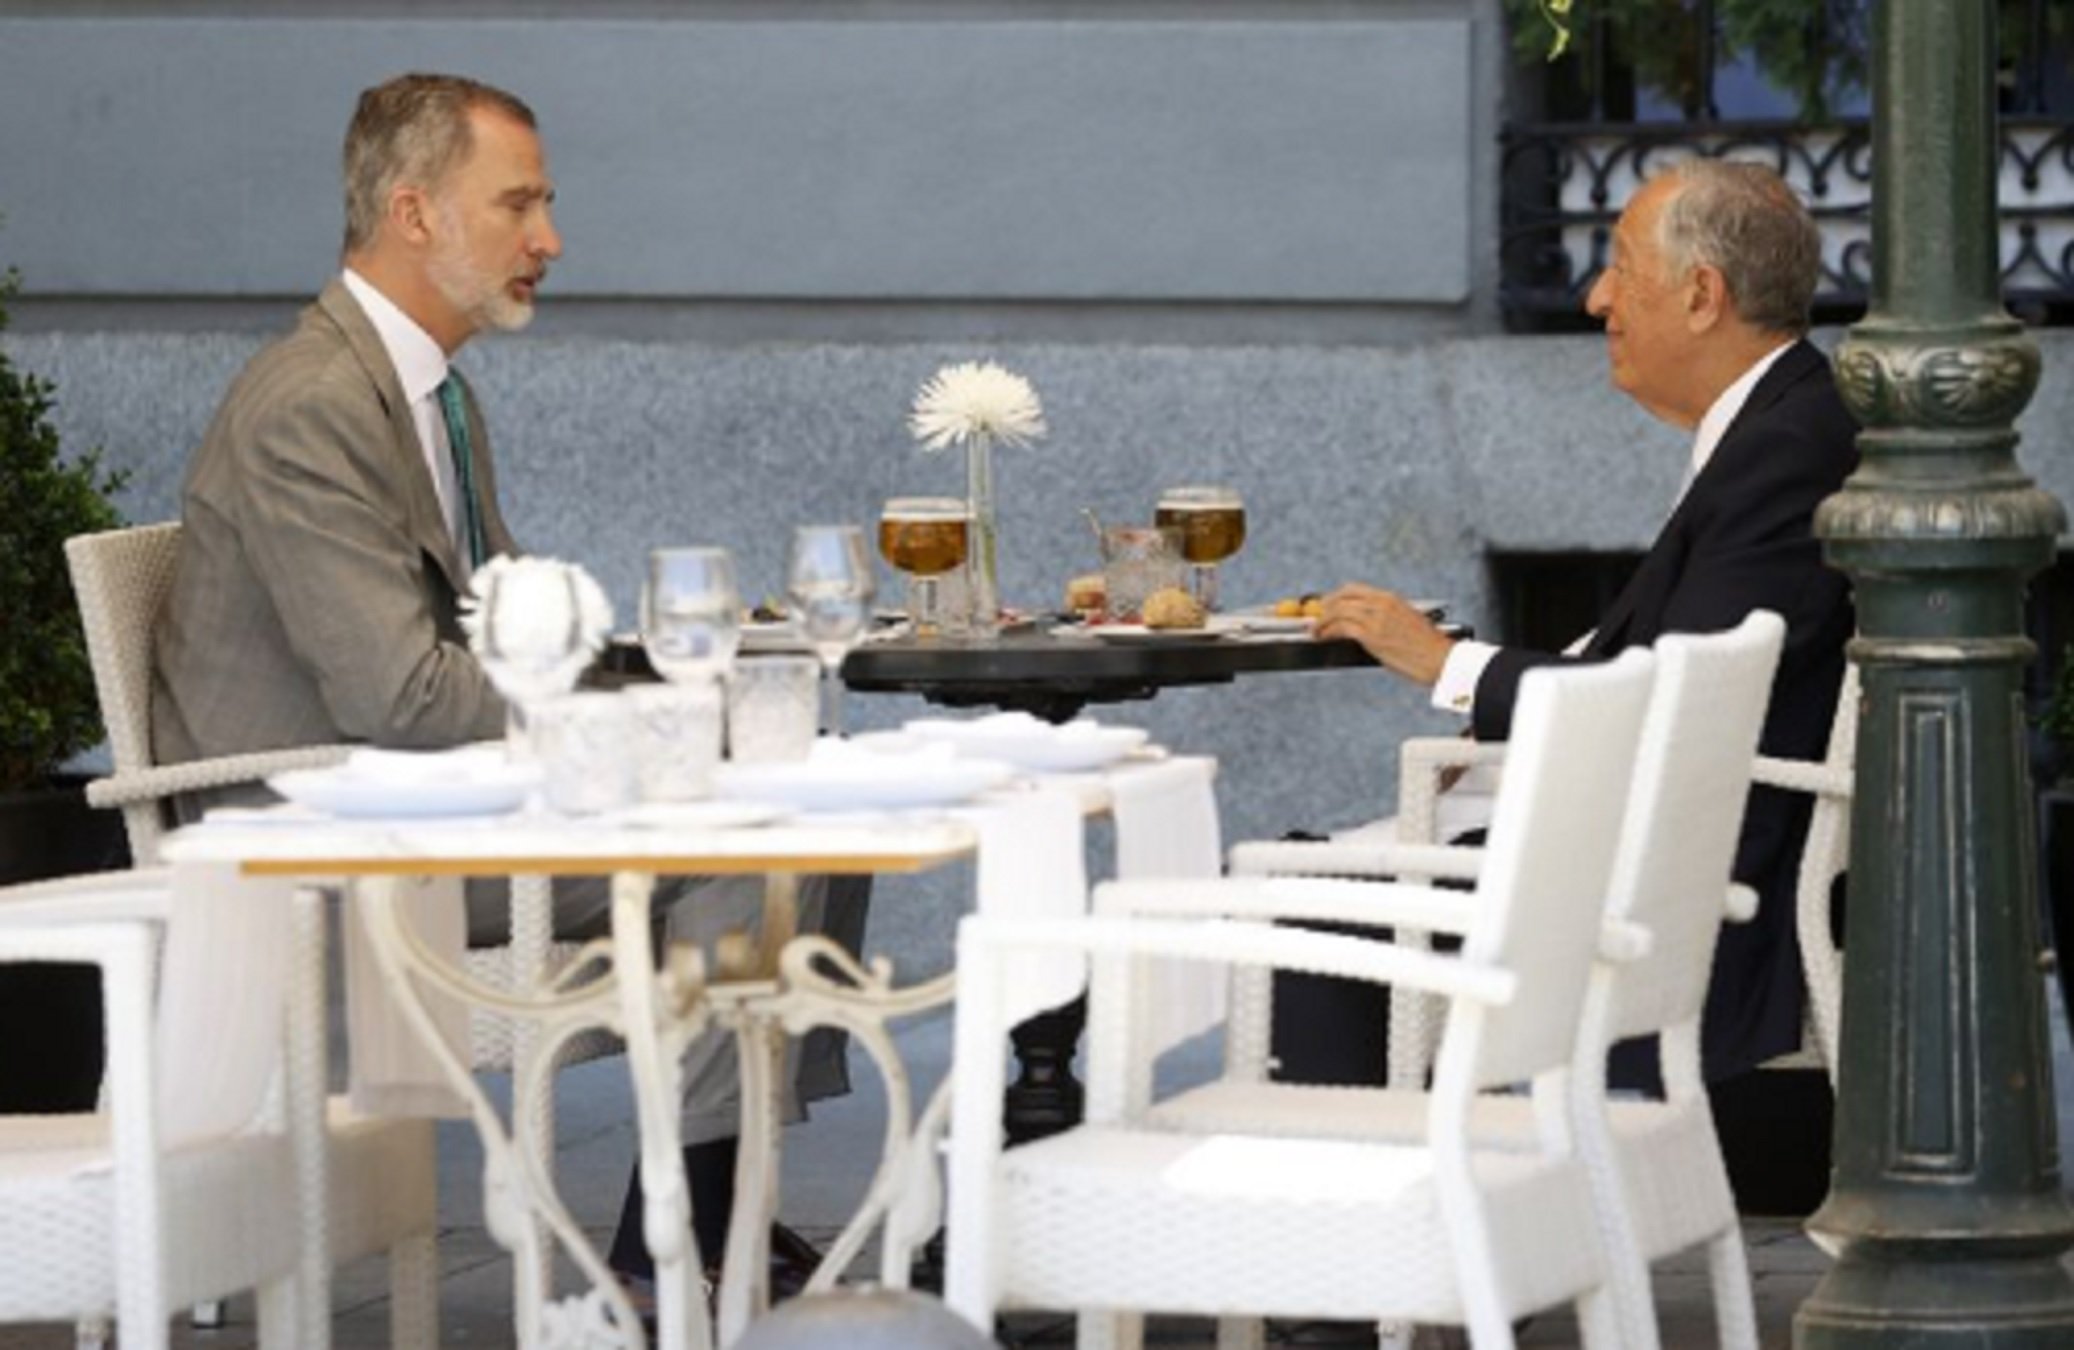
[(1247, 161)]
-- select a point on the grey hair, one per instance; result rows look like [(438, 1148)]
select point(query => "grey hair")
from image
[(1744, 220), (412, 129)]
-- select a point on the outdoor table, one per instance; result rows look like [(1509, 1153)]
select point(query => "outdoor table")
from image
[(757, 985), (1054, 672), (761, 989)]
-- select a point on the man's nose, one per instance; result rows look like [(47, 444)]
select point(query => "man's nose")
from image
[(547, 243), (1598, 301)]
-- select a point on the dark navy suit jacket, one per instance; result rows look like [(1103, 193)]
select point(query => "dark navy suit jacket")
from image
[(1742, 539)]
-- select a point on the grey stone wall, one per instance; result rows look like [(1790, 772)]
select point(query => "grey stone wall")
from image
[(1400, 464)]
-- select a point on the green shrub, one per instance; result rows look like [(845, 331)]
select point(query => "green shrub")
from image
[(48, 712)]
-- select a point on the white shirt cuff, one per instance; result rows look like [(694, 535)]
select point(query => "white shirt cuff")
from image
[(1455, 690)]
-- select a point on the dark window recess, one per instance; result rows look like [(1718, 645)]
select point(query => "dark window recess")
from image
[(1546, 601)]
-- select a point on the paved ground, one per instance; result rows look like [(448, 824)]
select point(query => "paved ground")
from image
[(825, 1163)]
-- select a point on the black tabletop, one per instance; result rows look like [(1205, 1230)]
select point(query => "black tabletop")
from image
[(1055, 673)]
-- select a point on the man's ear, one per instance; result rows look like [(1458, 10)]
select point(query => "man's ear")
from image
[(1707, 302), (410, 212)]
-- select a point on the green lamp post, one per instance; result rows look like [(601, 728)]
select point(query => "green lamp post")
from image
[(1946, 1214)]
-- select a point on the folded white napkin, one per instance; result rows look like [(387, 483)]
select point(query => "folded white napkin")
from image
[(393, 1072), (1166, 829), (223, 985), (1030, 866)]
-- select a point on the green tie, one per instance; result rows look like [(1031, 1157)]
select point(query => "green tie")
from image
[(451, 404)]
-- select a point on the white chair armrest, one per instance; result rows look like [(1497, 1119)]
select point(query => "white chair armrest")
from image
[(1323, 899), (1248, 944), (106, 944), (1312, 857), (1742, 904), (142, 894), (144, 785), (1800, 775), (1422, 767), (1448, 752)]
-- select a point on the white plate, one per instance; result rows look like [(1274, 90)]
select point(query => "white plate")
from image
[(850, 784), (1030, 744), (1138, 632), (702, 815), (1260, 623), (341, 792)]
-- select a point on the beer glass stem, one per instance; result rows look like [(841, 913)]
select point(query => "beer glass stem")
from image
[(921, 604), (1204, 576)]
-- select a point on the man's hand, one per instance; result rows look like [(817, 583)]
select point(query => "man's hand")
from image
[(1393, 632)]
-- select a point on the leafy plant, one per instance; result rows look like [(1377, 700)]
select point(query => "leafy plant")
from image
[(48, 711), (1814, 51)]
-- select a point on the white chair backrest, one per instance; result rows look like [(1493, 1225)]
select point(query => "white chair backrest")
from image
[(121, 578), (1692, 779), (1542, 892)]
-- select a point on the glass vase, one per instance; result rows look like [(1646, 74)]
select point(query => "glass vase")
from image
[(983, 580)]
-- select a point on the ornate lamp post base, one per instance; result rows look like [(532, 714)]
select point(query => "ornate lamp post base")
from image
[(1946, 1213), (1927, 1302)]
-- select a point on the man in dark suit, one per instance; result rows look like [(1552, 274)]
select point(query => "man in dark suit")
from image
[(1705, 302)]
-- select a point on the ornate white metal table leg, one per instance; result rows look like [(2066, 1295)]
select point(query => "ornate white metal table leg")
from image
[(821, 984), (745, 1284), (518, 1184), (661, 1012)]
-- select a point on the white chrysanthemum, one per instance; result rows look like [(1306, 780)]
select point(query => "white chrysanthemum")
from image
[(550, 619), (977, 398)]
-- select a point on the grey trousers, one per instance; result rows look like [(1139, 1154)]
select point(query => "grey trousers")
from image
[(702, 910)]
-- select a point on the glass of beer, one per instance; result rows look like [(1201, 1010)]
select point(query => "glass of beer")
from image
[(1212, 522), (924, 537)]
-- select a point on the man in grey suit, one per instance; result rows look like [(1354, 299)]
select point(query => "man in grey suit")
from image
[(345, 492)]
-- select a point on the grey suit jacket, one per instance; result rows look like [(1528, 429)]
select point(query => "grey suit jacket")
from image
[(313, 596)]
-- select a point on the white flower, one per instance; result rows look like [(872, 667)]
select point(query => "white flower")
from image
[(962, 402), (534, 623)]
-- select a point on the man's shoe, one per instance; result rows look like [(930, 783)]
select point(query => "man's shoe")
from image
[(793, 1262)]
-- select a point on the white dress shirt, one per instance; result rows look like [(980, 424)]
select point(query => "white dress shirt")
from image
[(1455, 690), (421, 366)]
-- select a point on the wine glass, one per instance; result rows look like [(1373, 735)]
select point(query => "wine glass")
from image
[(1212, 521), (529, 640), (691, 620), (924, 537), (830, 583)]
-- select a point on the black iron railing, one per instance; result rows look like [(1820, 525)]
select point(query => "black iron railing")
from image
[(1565, 184)]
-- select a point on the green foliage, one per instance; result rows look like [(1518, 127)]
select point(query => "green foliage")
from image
[(1659, 41), (1811, 51), (48, 711)]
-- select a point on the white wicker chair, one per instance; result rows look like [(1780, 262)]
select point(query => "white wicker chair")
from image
[(1659, 1181), (1825, 857), (122, 578), (1424, 766), (100, 1214), (1119, 1217)]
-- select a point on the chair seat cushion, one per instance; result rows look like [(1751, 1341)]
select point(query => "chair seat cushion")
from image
[(1670, 1165), (57, 1197), (1174, 1223), (226, 1228)]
